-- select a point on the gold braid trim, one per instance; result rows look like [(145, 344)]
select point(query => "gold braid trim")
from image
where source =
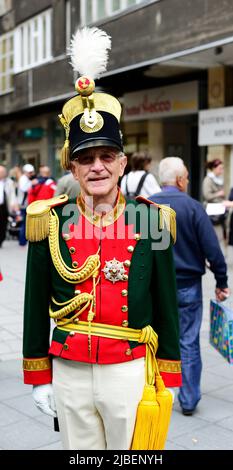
[(71, 275), (173, 367), (72, 304), (43, 363)]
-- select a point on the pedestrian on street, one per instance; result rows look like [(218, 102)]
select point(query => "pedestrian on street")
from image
[(24, 185), (229, 205), (8, 201), (196, 243), (43, 186), (108, 293), (213, 192), (139, 181), (68, 185)]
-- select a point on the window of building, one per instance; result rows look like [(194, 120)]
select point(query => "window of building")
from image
[(5, 6), (68, 23), (95, 10), (6, 63), (33, 42)]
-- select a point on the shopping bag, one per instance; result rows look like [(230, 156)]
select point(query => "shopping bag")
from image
[(221, 328)]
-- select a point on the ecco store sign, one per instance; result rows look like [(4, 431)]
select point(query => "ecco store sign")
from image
[(174, 100), (216, 126)]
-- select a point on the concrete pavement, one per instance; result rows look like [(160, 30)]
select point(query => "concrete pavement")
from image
[(24, 427)]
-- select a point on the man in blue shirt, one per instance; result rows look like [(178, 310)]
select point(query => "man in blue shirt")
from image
[(196, 243)]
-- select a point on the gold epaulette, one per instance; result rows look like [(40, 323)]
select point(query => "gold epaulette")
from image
[(167, 216), (37, 222)]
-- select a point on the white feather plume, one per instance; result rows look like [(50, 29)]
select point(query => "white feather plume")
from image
[(89, 52)]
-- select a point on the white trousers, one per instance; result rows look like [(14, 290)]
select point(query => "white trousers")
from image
[(97, 403)]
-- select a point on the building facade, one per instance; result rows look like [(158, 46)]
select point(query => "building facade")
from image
[(170, 59)]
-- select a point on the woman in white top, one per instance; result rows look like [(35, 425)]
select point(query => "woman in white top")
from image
[(139, 180)]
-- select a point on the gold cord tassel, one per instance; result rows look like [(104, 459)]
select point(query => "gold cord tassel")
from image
[(153, 417), (147, 421), (65, 152), (65, 155), (154, 409), (165, 401)]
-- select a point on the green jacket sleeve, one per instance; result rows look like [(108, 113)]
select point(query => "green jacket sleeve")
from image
[(37, 367)]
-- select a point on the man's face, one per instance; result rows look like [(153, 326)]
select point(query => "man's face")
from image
[(44, 171), (183, 181), (98, 170), (2, 172), (29, 174)]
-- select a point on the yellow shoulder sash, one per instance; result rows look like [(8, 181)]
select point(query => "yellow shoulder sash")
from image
[(37, 222)]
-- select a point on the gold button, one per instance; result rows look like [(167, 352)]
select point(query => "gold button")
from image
[(72, 333), (130, 249), (125, 323), (137, 236), (128, 352), (66, 236), (124, 292), (124, 308), (72, 250), (127, 263), (125, 277), (75, 264), (95, 218), (65, 346), (77, 292)]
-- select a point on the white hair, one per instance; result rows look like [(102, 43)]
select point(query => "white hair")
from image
[(170, 168)]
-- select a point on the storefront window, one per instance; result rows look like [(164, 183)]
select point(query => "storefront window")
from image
[(116, 5), (5, 6), (33, 42), (6, 63), (68, 23), (135, 143), (95, 10)]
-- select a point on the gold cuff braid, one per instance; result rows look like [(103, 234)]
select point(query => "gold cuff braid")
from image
[(173, 367), (42, 363)]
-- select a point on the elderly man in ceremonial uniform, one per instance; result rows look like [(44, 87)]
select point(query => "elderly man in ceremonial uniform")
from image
[(106, 281)]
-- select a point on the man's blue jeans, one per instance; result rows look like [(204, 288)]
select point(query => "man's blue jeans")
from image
[(22, 238), (190, 314)]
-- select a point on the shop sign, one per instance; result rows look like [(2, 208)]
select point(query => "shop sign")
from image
[(174, 100), (216, 126), (33, 133)]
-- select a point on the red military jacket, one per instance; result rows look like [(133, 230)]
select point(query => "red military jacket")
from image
[(142, 292)]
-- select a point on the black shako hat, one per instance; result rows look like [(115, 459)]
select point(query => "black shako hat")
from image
[(90, 119)]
